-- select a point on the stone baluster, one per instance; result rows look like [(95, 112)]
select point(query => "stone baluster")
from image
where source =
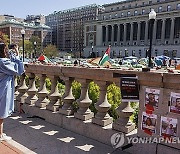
[(84, 113), (54, 95), (22, 90), (102, 117), (42, 93), (16, 93), (32, 91), (67, 98), (123, 123)]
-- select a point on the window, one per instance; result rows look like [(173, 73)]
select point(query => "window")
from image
[(117, 8), (116, 15), (136, 5), (143, 11), (111, 9), (123, 6), (128, 13), (158, 1), (143, 3), (129, 5), (110, 16), (135, 12), (150, 2), (122, 14), (169, 8), (160, 9), (178, 6)]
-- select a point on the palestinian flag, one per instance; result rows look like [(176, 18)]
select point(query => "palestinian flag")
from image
[(105, 57), (44, 59)]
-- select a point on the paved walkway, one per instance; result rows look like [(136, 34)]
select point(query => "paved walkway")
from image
[(33, 135)]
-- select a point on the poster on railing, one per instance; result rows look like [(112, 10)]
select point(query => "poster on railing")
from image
[(168, 127), (151, 99), (149, 123), (174, 103), (129, 89)]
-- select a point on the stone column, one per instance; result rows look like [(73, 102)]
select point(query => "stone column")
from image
[(16, 93), (138, 33), (118, 35), (32, 98), (67, 98), (102, 117), (172, 31), (112, 35), (124, 39), (163, 31), (84, 113), (54, 95), (22, 89), (146, 34), (21, 97), (42, 93), (154, 32), (107, 35), (131, 36), (123, 123)]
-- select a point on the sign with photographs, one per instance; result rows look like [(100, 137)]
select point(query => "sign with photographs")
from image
[(152, 98), (174, 103), (129, 89), (168, 127), (149, 123)]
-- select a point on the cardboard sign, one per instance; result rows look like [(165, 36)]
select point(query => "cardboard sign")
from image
[(129, 89)]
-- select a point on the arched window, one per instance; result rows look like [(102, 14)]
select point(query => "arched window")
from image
[(169, 8)]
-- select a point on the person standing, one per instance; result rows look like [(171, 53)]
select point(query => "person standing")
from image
[(10, 65)]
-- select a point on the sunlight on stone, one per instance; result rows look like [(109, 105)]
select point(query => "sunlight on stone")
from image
[(15, 118), (25, 122), (37, 127), (66, 139), (51, 132), (85, 147)]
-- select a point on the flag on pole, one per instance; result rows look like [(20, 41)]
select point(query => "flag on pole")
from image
[(105, 57)]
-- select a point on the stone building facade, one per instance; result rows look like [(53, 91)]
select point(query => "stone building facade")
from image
[(125, 26), (68, 26), (12, 28)]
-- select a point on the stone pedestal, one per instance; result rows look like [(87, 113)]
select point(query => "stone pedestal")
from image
[(54, 95), (43, 93), (102, 117), (32, 98), (84, 113), (22, 90), (123, 123), (68, 98)]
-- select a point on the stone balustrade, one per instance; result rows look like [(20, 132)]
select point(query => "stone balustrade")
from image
[(40, 102)]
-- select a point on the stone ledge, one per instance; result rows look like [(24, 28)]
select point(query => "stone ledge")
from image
[(85, 128)]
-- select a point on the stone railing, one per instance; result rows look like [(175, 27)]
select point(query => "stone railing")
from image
[(58, 109)]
